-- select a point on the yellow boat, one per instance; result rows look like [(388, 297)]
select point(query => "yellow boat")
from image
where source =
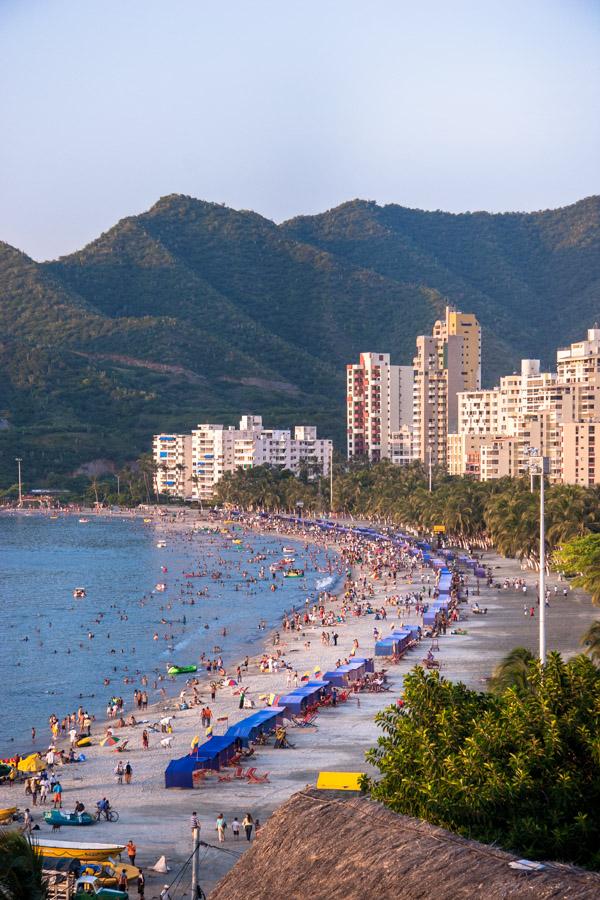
[(7, 813), (84, 741), (84, 851), (111, 869)]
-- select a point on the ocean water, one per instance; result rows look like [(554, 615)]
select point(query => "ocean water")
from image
[(56, 652)]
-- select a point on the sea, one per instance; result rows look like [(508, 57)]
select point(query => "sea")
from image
[(58, 653)]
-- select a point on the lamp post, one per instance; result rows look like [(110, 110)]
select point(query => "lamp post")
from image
[(18, 461), (430, 470), (331, 478), (539, 466)]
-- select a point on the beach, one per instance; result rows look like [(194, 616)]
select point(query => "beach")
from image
[(158, 820)]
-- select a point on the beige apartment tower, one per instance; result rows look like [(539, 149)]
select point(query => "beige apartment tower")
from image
[(446, 363)]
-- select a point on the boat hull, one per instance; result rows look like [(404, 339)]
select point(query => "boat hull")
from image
[(84, 851)]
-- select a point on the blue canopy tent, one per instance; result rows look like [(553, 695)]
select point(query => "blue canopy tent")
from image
[(248, 729), (369, 663), (179, 772), (388, 646), (219, 749)]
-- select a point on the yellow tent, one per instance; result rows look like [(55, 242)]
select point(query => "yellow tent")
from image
[(31, 763), (339, 781)]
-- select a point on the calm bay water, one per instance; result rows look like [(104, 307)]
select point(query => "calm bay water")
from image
[(117, 561)]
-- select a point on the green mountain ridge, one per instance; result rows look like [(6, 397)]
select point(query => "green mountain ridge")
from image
[(193, 312)]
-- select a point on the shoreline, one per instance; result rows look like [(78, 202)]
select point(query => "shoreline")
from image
[(158, 819)]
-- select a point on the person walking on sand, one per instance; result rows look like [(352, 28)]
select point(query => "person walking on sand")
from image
[(128, 772), (141, 884), (221, 826), (248, 824), (57, 792), (194, 821), (27, 823), (235, 828), (131, 851), (119, 772)]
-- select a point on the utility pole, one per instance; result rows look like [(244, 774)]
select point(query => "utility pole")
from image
[(196, 847), (18, 461), (430, 471), (540, 465), (543, 470), (117, 476), (331, 478)]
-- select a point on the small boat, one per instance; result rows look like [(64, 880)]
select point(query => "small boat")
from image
[(83, 521), (7, 813), (79, 593), (236, 541), (161, 586), (78, 849), (193, 574), (108, 872), (161, 544), (181, 670), (61, 817), (84, 741), (294, 573), (288, 550)]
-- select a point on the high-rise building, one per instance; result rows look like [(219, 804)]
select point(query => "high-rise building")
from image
[(172, 454), (446, 363), (378, 404), (211, 450), (554, 412)]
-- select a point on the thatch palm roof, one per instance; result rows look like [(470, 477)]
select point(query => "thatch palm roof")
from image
[(320, 846)]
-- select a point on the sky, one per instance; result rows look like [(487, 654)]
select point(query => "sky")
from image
[(290, 107)]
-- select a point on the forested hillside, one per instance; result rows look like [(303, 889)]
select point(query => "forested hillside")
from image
[(193, 312)]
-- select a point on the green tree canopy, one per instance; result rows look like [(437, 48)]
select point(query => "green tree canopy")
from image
[(520, 768)]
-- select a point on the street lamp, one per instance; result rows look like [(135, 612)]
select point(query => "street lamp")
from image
[(18, 461), (539, 465), (430, 470), (331, 478)]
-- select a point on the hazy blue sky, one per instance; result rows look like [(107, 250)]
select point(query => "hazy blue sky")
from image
[(291, 107)]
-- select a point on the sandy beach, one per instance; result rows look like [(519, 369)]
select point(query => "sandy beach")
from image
[(158, 820)]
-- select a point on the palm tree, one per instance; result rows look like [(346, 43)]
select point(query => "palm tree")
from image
[(591, 641), (512, 672), (21, 873)]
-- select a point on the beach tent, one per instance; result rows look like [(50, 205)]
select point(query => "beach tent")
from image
[(179, 772), (249, 728), (369, 663), (219, 748)]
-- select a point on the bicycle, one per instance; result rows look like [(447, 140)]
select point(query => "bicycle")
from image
[(111, 815)]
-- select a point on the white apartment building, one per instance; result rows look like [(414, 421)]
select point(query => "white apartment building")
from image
[(554, 412), (172, 454), (214, 449), (378, 404)]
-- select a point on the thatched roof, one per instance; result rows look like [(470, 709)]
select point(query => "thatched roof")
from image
[(319, 846)]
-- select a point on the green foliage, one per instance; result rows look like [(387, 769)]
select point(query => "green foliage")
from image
[(20, 868), (520, 768), (513, 671), (580, 557), (195, 312), (503, 513)]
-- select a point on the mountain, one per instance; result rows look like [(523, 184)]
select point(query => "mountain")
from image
[(193, 312)]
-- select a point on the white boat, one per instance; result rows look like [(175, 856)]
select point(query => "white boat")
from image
[(161, 544), (79, 593), (288, 550), (161, 586), (83, 521)]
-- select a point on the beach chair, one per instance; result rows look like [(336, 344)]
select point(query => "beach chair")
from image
[(225, 777), (239, 772), (256, 779)]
